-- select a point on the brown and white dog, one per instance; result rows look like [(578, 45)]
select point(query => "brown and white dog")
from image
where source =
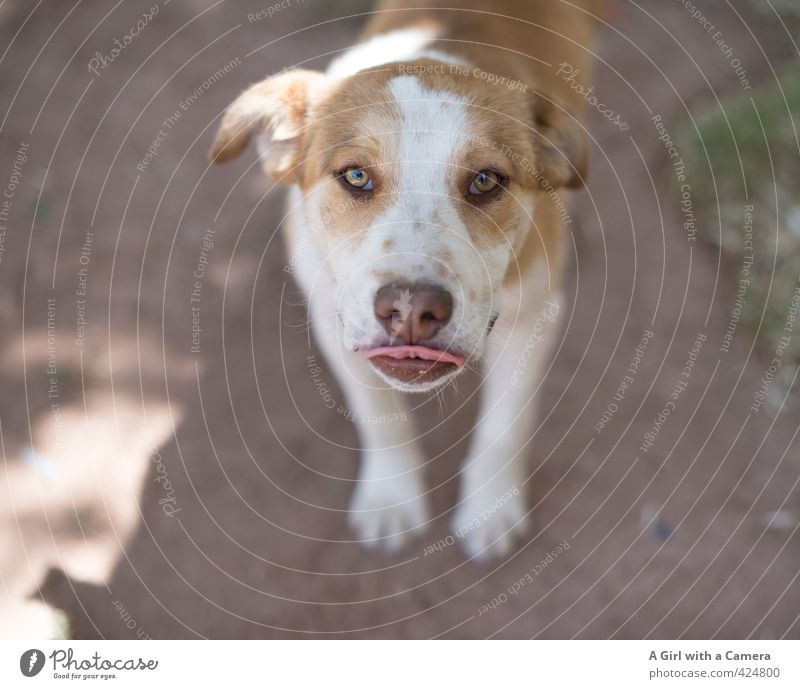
[(425, 228)]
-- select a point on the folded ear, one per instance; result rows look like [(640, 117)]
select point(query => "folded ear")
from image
[(560, 143), (282, 104)]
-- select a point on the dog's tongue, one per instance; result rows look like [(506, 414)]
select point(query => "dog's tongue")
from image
[(414, 352)]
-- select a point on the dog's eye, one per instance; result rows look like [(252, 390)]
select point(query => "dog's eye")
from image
[(484, 182), (358, 178)]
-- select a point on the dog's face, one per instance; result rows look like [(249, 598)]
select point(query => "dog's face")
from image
[(419, 187)]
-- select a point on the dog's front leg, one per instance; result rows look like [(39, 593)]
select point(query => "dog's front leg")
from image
[(492, 506), (388, 502)]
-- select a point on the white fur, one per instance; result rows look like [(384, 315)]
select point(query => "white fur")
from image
[(388, 501), (517, 352), (402, 45)]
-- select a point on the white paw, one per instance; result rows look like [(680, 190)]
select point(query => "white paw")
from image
[(385, 513), (487, 522)]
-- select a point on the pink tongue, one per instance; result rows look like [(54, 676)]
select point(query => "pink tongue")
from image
[(414, 352)]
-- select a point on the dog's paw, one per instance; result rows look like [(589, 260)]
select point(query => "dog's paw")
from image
[(386, 513), (487, 522)]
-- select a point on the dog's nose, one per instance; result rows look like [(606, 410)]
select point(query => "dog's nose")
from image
[(413, 313)]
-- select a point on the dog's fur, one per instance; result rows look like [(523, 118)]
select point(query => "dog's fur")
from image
[(420, 103)]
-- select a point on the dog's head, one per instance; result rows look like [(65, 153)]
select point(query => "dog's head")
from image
[(419, 186)]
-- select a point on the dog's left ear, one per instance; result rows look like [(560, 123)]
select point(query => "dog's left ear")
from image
[(282, 104), (560, 143)]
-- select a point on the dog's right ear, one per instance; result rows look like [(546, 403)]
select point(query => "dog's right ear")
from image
[(281, 103), (561, 146)]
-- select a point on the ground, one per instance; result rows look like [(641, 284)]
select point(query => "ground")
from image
[(753, 127), (156, 491)]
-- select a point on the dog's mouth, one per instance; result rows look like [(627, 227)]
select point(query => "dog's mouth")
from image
[(413, 365)]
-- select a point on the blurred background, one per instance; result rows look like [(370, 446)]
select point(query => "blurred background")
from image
[(171, 468)]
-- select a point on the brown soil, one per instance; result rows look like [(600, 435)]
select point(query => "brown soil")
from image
[(674, 543)]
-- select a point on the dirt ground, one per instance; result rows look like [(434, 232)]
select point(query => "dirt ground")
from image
[(155, 491)]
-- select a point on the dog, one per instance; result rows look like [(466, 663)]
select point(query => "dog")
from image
[(425, 225)]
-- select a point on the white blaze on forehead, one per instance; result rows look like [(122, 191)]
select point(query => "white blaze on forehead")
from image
[(432, 130)]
